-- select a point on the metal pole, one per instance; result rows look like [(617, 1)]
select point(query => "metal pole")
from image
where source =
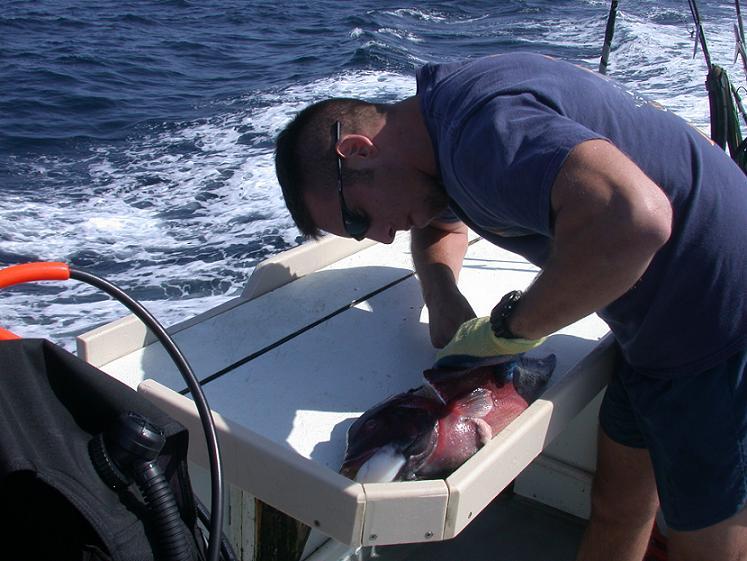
[(699, 35), (608, 33)]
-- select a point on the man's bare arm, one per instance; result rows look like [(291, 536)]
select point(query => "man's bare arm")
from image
[(610, 220), (438, 251)]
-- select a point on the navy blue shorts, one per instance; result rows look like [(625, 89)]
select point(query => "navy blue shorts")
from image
[(695, 428)]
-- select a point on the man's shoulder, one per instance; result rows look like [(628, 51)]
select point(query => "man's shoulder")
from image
[(440, 70)]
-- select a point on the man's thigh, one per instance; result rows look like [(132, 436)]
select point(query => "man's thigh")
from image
[(725, 541), (624, 489), (695, 429)]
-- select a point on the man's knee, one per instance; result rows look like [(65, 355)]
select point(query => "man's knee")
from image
[(627, 504)]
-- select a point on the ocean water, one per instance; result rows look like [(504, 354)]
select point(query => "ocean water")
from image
[(136, 136)]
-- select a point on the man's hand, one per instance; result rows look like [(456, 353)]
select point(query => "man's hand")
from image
[(446, 315), (437, 251), (475, 338)]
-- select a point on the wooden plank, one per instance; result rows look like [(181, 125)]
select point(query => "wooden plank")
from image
[(277, 535)]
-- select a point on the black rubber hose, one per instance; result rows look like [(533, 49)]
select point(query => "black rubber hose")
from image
[(226, 549), (166, 520), (206, 417)]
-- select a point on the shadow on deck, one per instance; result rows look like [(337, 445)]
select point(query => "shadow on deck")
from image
[(512, 528)]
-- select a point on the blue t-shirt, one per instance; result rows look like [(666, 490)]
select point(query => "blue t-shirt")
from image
[(502, 127)]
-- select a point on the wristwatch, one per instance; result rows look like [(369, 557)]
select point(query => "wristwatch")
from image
[(502, 312)]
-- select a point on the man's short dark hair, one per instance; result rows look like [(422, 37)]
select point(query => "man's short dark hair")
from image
[(305, 156)]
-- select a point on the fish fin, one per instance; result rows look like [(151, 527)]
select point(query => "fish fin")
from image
[(531, 375), (477, 404)]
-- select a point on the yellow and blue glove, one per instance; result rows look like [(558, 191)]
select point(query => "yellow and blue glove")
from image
[(475, 340)]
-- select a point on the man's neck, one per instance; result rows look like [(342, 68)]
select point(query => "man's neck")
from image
[(411, 135)]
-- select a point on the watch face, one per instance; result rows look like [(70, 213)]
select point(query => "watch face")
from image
[(500, 314)]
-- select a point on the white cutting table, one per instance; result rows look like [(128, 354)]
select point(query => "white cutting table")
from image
[(289, 371)]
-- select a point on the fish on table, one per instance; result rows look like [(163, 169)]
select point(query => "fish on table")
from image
[(429, 431)]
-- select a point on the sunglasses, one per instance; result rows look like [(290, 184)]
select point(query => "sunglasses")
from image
[(355, 224)]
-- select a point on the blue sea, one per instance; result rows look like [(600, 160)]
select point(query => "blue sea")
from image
[(136, 136)]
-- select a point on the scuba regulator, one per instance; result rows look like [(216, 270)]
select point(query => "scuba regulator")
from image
[(127, 452)]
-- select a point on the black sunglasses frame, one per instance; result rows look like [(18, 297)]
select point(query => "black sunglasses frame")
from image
[(355, 224)]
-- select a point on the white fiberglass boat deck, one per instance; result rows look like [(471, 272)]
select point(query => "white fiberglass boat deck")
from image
[(287, 371)]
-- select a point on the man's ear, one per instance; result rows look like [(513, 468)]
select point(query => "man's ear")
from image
[(356, 146)]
